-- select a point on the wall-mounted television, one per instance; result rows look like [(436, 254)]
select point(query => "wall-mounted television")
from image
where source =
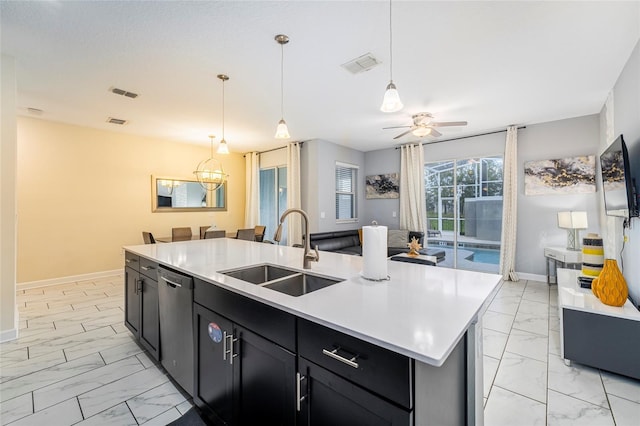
[(619, 188)]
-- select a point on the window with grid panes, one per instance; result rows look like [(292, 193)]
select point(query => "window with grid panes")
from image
[(346, 184)]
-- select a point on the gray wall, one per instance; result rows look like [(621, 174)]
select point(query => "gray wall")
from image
[(537, 215), (381, 210), (318, 183), (537, 223), (626, 111)]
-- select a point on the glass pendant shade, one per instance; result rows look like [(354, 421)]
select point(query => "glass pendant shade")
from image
[(391, 101), (223, 148), (282, 132)]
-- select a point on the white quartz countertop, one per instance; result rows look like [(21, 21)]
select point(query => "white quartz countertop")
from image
[(421, 312)]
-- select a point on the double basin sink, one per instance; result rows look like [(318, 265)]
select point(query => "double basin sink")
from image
[(285, 280)]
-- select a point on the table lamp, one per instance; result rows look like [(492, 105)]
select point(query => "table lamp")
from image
[(572, 222)]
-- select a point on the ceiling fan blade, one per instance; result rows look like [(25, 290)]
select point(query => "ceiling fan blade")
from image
[(435, 133), (395, 127), (405, 133), (448, 123)]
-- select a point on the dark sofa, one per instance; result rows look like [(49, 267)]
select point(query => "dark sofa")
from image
[(348, 242)]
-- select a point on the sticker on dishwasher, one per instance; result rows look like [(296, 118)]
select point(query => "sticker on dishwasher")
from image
[(214, 332)]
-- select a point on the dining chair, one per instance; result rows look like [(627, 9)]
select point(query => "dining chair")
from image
[(148, 238), (246, 234), (179, 234), (259, 230), (218, 233), (203, 229)]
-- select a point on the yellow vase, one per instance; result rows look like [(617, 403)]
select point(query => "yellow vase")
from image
[(594, 286), (611, 287)]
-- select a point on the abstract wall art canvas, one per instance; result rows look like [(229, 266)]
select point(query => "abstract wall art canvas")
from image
[(574, 175), (383, 186)]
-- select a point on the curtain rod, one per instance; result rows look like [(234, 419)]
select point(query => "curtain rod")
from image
[(275, 149), (466, 137)]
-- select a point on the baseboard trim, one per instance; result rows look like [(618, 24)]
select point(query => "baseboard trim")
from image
[(532, 277), (62, 280), (8, 335)]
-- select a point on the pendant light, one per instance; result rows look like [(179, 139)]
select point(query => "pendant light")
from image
[(391, 101), (223, 148), (282, 132), (209, 173)]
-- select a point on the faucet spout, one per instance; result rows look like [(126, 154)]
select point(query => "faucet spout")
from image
[(309, 256)]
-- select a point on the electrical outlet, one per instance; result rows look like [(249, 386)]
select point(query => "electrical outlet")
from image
[(321, 215), (393, 214)]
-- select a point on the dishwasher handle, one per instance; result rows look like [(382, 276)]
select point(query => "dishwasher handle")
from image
[(171, 283), (175, 279)]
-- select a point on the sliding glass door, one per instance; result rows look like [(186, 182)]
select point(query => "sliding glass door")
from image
[(273, 200), (464, 211)]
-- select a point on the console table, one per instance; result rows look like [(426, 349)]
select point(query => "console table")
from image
[(595, 334), (561, 257)]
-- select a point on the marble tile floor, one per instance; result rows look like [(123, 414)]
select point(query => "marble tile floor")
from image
[(76, 363)]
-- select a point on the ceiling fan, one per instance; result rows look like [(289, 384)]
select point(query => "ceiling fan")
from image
[(424, 125)]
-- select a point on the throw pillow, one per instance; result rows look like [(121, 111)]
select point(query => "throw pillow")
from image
[(397, 238)]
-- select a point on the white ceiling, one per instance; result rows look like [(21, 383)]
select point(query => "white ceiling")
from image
[(490, 63)]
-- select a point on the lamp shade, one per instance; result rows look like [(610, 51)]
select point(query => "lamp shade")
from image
[(572, 220)]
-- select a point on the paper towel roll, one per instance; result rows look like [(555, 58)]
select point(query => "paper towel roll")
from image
[(374, 252)]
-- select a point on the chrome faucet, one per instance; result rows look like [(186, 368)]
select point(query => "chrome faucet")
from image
[(309, 256)]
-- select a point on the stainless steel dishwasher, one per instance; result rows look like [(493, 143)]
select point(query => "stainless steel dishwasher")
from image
[(175, 297)]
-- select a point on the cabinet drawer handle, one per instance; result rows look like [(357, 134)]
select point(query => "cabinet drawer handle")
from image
[(299, 398), (334, 354), (146, 268)]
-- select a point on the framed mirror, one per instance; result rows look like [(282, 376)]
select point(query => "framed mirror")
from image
[(171, 194)]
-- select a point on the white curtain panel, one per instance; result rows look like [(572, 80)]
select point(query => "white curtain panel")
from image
[(413, 206), (294, 222), (252, 197), (510, 207)]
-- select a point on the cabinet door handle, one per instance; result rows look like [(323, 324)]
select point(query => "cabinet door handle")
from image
[(299, 398), (139, 286), (232, 340), (334, 354), (227, 348), (224, 346)]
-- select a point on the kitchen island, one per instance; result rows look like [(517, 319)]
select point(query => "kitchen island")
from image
[(423, 320)]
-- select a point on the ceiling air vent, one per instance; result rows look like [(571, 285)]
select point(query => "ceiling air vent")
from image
[(123, 93), (361, 64), (118, 121)]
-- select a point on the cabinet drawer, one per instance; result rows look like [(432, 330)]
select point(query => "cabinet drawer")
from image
[(377, 369), (271, 323), (132, 260), (148, 268)]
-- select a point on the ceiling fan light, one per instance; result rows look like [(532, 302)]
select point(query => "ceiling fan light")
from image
[(421, 131), (391, 101), (223, 148), (282, 132)]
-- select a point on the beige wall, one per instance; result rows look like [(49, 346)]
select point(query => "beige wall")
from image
[(84, 193), (8, 146)]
